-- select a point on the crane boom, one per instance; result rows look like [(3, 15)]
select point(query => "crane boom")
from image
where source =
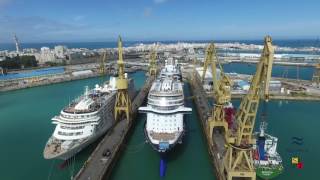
[(221, 92), (210, 58), (259, 86), (123, 101), (152, 62), (120, 60), (238, 160), (102, 63)]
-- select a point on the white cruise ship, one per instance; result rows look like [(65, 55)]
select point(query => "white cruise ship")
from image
[(83, 121), (165, 110)]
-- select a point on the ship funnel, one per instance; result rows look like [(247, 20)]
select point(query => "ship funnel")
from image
[(263, 127)]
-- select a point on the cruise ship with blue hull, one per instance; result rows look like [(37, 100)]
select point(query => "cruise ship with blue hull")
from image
[(165, 126)]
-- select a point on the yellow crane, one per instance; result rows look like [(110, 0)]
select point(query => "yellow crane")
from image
[(102, 64), (238, 159), (152, 62), (221, 92), (123, 101), (316, 75), (194, 71)]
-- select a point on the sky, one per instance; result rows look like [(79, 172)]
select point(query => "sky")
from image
[(148, 20)]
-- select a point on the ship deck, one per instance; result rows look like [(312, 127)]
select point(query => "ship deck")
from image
[(96, 98), (52, 150), (162, 136)]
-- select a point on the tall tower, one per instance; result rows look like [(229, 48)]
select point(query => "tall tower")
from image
[(102, 64), (152, 63), (123, 101), (16, 40), (316, 76)]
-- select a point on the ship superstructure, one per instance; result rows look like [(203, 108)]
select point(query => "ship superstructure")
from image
[(171, 70), (165, 110), (83, 121)]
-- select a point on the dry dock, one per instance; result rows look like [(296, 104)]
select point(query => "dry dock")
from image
[(104, 157), (216, 149)]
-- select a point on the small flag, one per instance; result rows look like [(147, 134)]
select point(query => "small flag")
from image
[(294, 160), (300, 165)]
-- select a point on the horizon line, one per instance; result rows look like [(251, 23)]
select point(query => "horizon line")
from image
[(177, 40)]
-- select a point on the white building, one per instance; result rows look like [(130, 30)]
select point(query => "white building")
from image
[(60, 51), (2, 58), (46, 55), (208, 83)]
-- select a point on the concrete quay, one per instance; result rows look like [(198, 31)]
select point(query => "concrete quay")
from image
[(71, 73), (276, 62), (216, 148), (104, 157)]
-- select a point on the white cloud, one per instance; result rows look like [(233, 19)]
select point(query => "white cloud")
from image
[(32, 27), (40, 29), (159, 1)]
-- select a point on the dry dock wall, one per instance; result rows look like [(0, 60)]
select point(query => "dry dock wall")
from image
[(203, 110), (97, 166)]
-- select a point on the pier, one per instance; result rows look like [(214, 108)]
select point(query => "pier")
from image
[(28, 79), (277, 62), (104, 157)]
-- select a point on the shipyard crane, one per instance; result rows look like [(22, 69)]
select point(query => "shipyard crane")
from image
[(152, 62), (102, 64), (17, 43), (316, 75), (238, 159), (123, 101), (221, 92)]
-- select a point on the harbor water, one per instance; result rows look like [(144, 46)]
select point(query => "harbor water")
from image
[(25, 126)]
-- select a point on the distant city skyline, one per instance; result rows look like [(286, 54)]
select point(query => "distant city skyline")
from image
[(35, 21)]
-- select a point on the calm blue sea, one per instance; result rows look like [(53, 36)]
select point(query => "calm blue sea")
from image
[(96, 45)]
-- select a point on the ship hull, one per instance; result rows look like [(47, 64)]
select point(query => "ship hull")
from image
[(108, 118), (267, 169), (269, 172), (157, 148), (73, 151)]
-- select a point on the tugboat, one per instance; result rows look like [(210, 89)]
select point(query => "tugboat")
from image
[(267, 161)]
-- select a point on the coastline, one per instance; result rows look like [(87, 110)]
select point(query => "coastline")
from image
[(71, 73)]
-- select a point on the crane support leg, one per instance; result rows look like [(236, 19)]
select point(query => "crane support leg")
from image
[(238, 163)]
